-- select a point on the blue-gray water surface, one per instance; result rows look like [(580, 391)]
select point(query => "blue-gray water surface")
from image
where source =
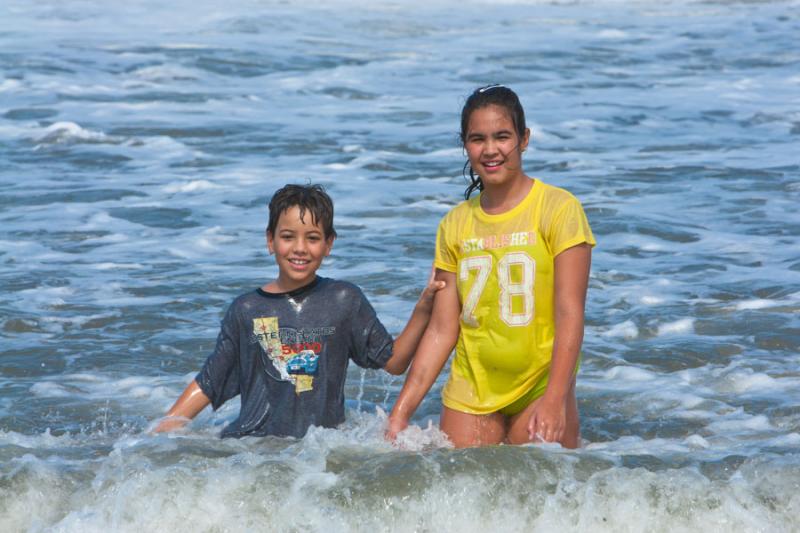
[(140, 142)]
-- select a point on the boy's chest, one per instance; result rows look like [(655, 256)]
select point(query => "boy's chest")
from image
[(295, 348)]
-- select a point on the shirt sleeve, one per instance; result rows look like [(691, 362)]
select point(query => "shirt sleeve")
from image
[(371, 345), (445, 257), (219, 377), (569, 227)]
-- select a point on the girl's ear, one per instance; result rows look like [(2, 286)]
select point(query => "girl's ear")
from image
[(270, 247), (523, 145)]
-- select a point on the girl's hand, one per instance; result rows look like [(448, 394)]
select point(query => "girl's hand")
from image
[(396, 425), (425, 303), (548, 419)]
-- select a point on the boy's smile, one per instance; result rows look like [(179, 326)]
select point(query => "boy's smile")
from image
[(299, 246)]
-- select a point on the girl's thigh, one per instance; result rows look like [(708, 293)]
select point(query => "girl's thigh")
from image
[(466, 430), (518, 425)]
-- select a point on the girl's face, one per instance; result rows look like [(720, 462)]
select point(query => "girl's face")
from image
[(493, 146)]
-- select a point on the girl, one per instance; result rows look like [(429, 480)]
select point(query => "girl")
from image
[(515, 262)]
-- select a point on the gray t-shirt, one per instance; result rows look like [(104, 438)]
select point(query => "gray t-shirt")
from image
[(287, 355)]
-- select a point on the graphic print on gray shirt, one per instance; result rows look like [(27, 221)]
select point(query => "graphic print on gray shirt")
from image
[(287, 356)]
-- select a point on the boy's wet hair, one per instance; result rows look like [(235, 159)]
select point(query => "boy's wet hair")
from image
[(498, 95), (311, 198)]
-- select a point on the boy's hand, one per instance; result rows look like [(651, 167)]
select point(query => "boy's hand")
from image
[(425, 303), (170, 423)]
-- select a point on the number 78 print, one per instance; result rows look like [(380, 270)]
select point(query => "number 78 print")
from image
[(483, 264)]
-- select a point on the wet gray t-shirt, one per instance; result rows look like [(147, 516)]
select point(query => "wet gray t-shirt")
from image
[(287, 355)]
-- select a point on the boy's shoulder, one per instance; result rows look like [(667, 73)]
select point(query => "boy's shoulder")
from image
[(245, 301), (339, 288)]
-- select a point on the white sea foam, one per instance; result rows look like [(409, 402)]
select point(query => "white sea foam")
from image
[(684, 325), (200, 245), (213, 490), (70, 132), (627, 330), (167, 73), (190, 186), (754, 304), (167, 149), (788, 439), (612, 34), (697, 442), (632, 445), (98, 386), (580, 124), (652, 247), (748, 381), (10, 85), (117, 266), (48, 298), (43, 440), (46, 389), (628, 374), (740, 422)]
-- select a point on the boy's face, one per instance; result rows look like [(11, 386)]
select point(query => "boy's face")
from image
[(299, 247)]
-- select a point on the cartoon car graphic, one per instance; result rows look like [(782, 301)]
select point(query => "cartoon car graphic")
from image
[(306, 362)]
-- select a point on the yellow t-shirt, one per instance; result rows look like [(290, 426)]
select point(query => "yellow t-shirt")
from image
[(504, 267)]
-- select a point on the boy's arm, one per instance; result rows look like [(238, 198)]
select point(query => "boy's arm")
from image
[(434, 349), (406, 343), (187, 406), (548, 418)]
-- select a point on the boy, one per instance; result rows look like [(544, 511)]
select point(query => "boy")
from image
[(285, 346)]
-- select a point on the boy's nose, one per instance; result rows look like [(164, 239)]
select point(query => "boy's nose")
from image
[(300, 246)]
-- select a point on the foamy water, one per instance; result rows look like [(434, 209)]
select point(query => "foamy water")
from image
[(140, 142)]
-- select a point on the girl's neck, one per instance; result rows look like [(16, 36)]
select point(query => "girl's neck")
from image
[(498, 199)]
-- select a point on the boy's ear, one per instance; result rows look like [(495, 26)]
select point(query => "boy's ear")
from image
[(329, 243), (269, 243)]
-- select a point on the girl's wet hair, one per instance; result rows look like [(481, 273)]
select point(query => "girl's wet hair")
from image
[(498, 95), (312, 198)]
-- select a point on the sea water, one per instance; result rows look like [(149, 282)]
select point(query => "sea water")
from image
[(140, 142)]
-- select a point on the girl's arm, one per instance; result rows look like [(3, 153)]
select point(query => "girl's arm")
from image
[(548, 418), (406, 343), (191, 402), (433, 351)]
